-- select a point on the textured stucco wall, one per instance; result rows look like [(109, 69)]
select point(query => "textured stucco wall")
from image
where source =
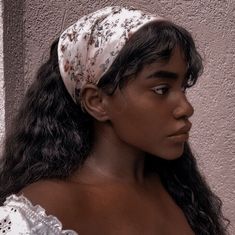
[(13, 32), (212, 23), (2, 93)]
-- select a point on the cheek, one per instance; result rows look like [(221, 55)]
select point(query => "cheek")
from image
[(139, 126), (143, 123), (146, 131)]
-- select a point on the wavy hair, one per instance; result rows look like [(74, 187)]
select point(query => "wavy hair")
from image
[(51, 136)]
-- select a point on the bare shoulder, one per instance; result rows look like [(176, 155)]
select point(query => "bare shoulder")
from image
[(43, 189), (52, 195)]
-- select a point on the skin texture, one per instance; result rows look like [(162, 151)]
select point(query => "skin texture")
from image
[(152, 107), (110, 194)]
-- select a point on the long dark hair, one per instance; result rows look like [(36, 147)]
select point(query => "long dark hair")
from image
[(51, 136)]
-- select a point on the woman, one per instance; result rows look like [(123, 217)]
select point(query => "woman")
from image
[(102, 143)]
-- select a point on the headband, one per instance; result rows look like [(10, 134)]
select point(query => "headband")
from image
[(87, 49)]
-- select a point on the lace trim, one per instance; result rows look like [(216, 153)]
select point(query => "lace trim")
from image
[(37, 212)]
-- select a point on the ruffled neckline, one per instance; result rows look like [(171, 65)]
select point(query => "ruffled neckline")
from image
[(36, 211)]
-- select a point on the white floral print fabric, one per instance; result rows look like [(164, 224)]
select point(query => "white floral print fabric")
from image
[(87, 49)]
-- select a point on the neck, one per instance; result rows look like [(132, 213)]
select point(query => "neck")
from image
[(111, 159)]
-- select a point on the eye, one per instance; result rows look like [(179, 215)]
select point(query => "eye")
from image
[(161, 89)]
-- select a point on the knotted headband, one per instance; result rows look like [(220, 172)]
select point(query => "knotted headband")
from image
[(87, 49)]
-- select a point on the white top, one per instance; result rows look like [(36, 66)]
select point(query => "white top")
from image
[(19, 217)]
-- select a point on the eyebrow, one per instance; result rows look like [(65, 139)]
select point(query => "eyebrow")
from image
[(163, 74)]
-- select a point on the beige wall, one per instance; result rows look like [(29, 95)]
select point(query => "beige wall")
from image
[(213, 26)]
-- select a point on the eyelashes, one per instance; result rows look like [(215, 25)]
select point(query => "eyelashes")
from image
[(161, 89), (165, 88)]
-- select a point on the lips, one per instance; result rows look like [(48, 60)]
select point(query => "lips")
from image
[(181, 134), (179, 138)]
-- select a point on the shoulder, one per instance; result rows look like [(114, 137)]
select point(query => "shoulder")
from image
[(19, 216), (49, 194), (59, 199), (42, 190)]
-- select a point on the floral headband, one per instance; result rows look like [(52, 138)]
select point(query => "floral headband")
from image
[(87, 49)]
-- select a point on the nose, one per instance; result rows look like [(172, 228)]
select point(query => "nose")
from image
[(183, 109)]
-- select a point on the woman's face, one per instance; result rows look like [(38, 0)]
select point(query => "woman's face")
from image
[(151, 112)]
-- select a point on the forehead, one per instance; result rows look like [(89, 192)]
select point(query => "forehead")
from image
[(176, 63)]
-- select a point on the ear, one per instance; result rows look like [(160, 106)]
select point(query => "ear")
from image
[(93, 101)]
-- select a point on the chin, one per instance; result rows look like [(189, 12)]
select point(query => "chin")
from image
[(174, 157), (171, 154)]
